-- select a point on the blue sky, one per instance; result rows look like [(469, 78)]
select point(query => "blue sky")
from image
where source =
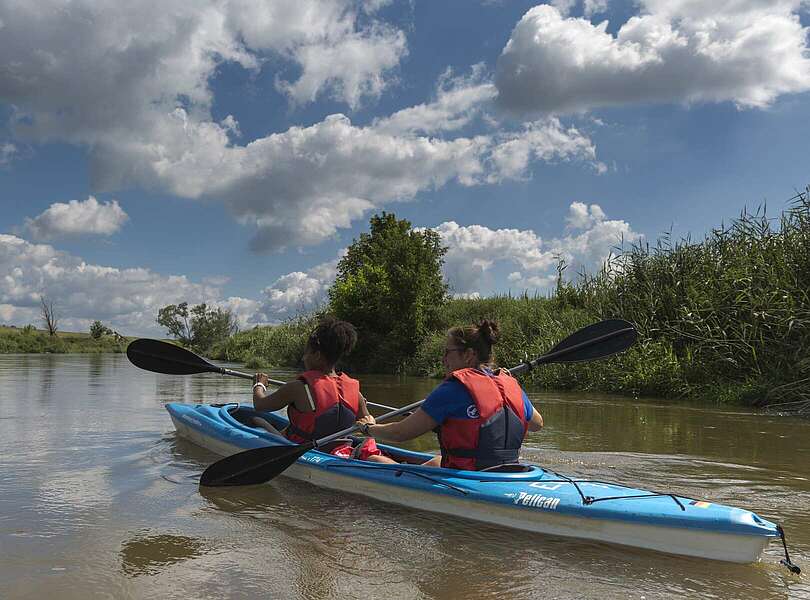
[(227, 152)]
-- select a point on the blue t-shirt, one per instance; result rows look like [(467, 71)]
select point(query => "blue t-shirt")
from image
[(451, 400)]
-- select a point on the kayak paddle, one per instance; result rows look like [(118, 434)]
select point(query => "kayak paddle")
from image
[(163, 357), (263, 464)]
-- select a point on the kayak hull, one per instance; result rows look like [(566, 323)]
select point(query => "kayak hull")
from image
[(538, 501)]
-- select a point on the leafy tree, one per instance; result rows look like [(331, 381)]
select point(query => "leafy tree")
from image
[(174, 318), (99, 330), (200, 326), (390, 286)]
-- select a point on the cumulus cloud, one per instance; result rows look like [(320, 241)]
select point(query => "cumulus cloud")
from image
[(132, 84), (88, 217), (297, 292), (474, 250), (592, 238), (117, 67), (749, 53), (545, 140), (301, 186), (126, 299), (582, 216)]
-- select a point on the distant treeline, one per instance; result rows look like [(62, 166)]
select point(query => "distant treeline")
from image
[(29, 340), (725, 318)]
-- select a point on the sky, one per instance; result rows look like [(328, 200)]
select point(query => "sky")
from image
[(228, 151)]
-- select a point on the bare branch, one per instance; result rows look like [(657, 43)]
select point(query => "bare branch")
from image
[(49, 316)]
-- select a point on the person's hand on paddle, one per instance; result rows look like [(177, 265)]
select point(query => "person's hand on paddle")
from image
[(364, 422), (260, 381)]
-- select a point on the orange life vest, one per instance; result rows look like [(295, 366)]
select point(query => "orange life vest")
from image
[(336, 400), (497, 424)]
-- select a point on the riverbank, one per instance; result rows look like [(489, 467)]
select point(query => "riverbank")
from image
[(725, 319), (27, 340)]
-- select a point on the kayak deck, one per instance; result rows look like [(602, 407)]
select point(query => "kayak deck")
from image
[(525, 497)]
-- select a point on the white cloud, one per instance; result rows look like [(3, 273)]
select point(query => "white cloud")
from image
[(748, 52), (336, 54), (544, 140), (475, 250), (7, 152), (131, 82), (353, 66), (594, 7), (582, 216), (325, 176), (90, 71), (458, 101), (298, 292), (564, 6), (599, 237), (126, 299), (245, 311), (75, 218)]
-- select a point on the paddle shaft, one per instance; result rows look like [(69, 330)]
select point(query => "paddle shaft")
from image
[(225, 371), (521, 368)]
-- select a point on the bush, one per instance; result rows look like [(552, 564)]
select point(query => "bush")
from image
[(200, 327), (389, 285), (98, 330)]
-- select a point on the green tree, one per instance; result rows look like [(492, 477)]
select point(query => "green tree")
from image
[(390, 286), (200, 326), (99, 330)]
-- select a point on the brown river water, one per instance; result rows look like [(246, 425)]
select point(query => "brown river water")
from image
[(98, 499)]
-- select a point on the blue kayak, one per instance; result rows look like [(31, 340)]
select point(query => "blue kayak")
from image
[(525, 497)]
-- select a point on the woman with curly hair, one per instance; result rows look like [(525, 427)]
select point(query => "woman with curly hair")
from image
[(320, 401)]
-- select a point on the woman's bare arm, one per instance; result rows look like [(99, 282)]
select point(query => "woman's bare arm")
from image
[(407, 429), (283, 396), (536, 422)]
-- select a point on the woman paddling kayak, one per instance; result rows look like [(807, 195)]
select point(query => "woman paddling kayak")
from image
[(319, 401), (480, 414)]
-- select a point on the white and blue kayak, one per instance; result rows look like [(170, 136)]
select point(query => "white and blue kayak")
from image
[(525, 497)]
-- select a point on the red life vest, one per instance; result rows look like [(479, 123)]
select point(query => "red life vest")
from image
[(494, 435), (336, 400)]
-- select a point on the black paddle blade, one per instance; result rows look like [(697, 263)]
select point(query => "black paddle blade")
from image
[(163, 357), (594, 341), (252, 467)]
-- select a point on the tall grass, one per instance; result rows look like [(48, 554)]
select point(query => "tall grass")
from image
[(27, 340), (274, 346), (726, 318), (730, 314)]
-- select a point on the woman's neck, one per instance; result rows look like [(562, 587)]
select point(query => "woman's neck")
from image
[(329, 371)]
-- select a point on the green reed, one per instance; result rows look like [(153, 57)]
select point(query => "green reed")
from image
[(273, 346), (726, 318)]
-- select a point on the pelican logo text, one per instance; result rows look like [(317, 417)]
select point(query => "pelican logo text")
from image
[(537, 500)]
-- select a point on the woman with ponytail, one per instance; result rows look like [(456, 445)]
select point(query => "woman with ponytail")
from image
[(479, 413)]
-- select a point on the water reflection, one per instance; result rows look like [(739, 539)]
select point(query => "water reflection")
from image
[(149, 554), (97, 492)]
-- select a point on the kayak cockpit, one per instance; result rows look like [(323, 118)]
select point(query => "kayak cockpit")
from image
[(241, 416)]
